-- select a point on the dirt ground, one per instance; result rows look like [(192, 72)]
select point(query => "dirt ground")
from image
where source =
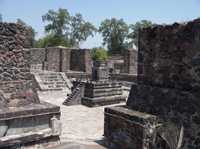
[(80, 124)]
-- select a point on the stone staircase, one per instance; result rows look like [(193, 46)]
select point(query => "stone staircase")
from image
[(76, 95), (49, 81)]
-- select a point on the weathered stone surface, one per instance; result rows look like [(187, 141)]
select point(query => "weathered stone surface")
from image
[(140, 128), (102, 93), (100, 71), (23, 118), (168, 85), (60, 59), (130, 61), (169, 55)]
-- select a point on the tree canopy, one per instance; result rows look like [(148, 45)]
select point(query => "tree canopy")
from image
[(80, 29), (114, 33), (66, 29), (99, 54), (134, 30)]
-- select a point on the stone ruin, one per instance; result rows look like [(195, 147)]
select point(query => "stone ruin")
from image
[(100, 90), (162, 110), (60, 59), (24, 119)]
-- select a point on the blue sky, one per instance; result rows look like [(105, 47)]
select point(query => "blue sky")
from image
[(158, 11)]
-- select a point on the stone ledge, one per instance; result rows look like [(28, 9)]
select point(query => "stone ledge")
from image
[(128, 129), (101, 101), (29, 111)]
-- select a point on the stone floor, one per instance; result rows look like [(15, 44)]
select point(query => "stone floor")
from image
[(80, 124)]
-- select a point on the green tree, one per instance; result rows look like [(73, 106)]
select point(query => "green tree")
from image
[(134, 30), (80, 29), (50, 41), (58, 22), (114, 34), (31, 33), (99, 54), (72, 29)]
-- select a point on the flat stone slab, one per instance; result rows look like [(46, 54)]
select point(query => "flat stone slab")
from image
[(28, 111)]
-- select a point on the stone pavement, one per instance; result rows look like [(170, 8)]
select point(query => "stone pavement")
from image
[(80, 124)]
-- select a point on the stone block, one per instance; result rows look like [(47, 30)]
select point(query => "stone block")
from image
[(128, 129)]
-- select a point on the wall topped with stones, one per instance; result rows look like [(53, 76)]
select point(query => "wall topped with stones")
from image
[(170, 55)]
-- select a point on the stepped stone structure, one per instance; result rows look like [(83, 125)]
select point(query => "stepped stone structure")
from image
[(100, 91), (162, 111), (50, 81), (23, 117)]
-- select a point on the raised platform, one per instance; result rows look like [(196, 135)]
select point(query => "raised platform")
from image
[(30, 123), (102, 93), (128, 129)]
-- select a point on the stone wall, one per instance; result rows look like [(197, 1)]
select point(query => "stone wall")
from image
[(36, 58), (170, 55), (23, 118), (13, 65), (130, 61), (169, 84), (61, 59), (54, 59)]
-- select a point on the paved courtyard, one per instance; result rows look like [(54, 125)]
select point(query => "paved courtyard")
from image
[(80, 124)]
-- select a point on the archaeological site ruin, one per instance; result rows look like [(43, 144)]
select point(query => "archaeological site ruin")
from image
[(162, 109), (24, 118), (59, 97)]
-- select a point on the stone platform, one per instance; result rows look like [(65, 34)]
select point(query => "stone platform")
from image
[(29, 124), (102, 93), (24, 119), (118, 119)]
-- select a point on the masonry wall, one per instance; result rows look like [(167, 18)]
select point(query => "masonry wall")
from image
[(170, 55), (15, 77), (61, 59), (53, 59), (13, 65), (168, 83), (130, 61)]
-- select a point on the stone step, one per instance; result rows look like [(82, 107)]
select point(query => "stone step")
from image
[(53, 81)]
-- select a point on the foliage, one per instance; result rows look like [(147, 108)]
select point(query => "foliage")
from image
[(58, 22), (31, 33), (51, 40), (114, 34), (99, 54), (72, 29), (80, 29), (134, 33)]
